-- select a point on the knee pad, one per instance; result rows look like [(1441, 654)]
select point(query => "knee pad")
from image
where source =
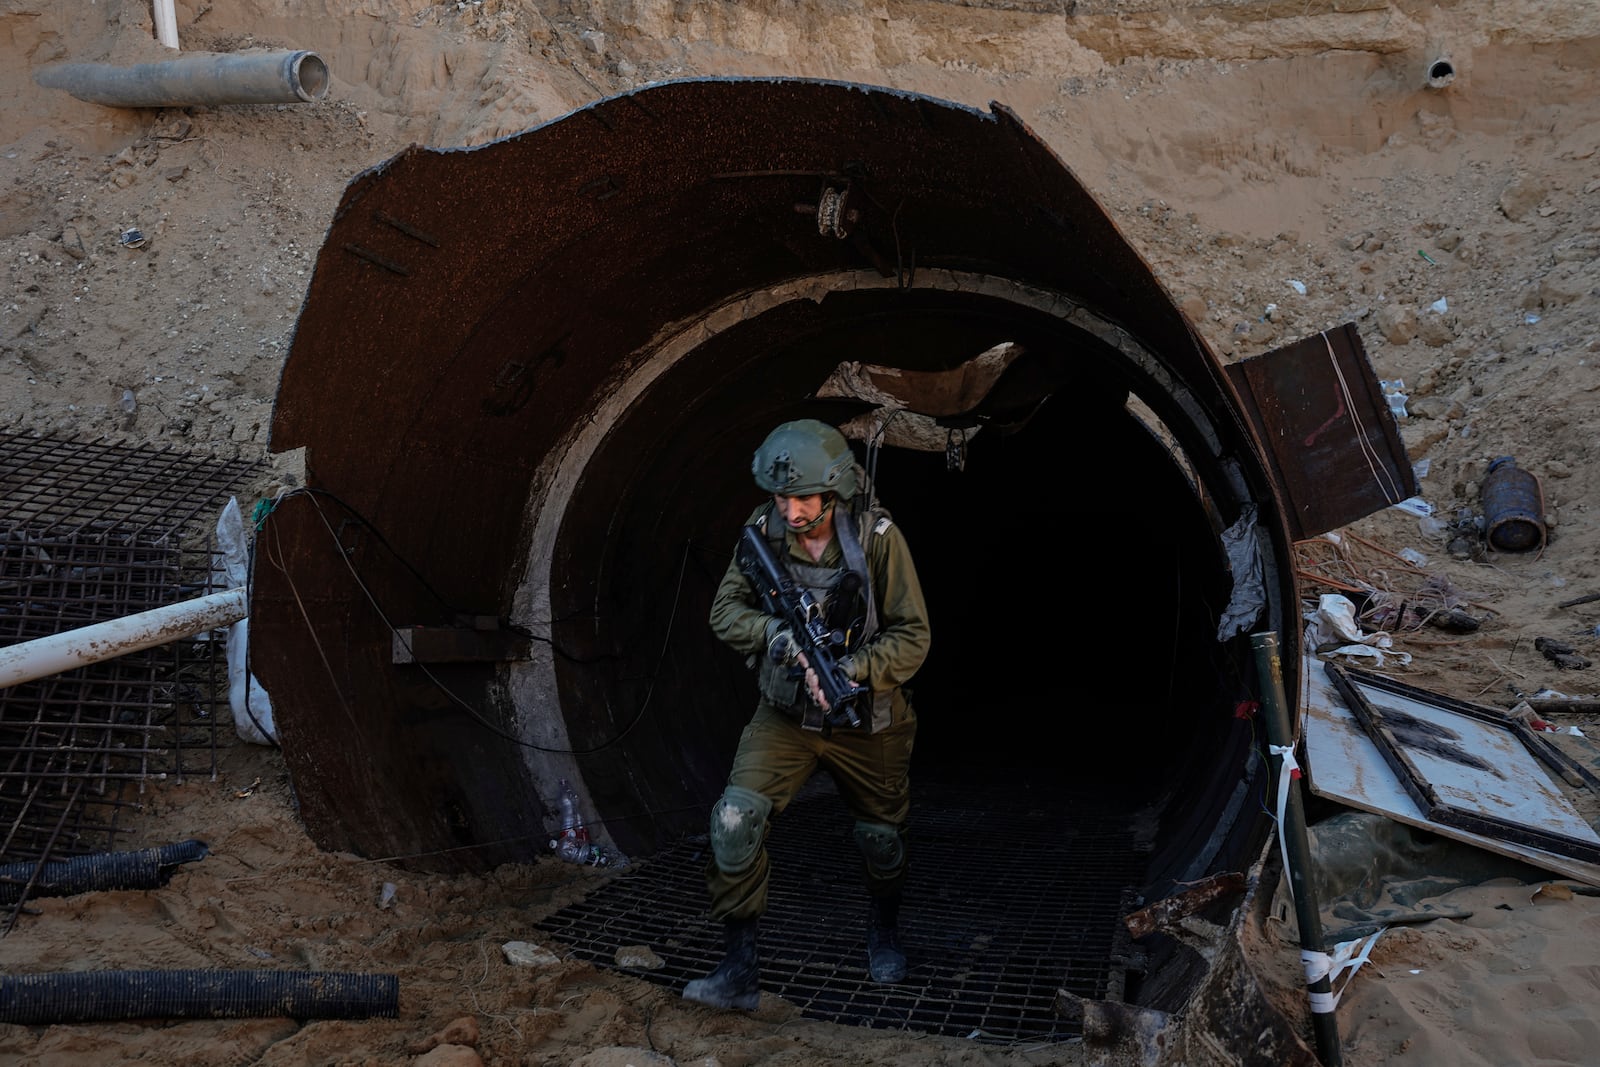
[(882, 846), (738, 826)]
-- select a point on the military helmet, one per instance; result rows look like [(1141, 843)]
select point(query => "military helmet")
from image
[(805, 457)]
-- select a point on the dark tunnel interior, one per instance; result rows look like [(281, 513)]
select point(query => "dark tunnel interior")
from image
[(1058, 599), (1073, 576)]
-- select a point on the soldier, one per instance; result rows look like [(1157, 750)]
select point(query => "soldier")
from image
[(839, 544)]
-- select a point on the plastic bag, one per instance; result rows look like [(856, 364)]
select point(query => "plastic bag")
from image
[(252, 707)]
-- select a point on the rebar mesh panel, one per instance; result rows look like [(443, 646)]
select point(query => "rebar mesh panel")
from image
[(70, 743), (90, 533), (135, 490), (1009, 897)]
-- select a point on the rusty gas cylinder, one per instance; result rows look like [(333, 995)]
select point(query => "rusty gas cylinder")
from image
[(1513, 507)]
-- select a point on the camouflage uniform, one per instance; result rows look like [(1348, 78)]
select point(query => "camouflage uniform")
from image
[(865, 566), (871, 764)]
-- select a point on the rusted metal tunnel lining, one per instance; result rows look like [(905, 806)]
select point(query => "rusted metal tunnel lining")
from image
[(528, 378)]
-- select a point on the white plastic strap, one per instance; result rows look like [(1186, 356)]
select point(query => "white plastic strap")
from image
[(1318, 965), (1346, 956), (1285, 781)]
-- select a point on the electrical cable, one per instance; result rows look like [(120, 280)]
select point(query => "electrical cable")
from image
[(874, 447), (437, 682), (902, 279), (264, 508), (333, 677)]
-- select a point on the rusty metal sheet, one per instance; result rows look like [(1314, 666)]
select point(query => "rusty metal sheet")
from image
[(1331, 441)]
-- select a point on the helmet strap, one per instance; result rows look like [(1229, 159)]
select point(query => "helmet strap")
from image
[(827, 509)]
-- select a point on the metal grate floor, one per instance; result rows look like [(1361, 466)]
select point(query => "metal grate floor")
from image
[(1009, 897)]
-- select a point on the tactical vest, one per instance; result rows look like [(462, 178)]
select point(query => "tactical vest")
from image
[(822, 583)]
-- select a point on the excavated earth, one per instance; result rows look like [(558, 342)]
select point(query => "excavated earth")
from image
[(1283, 167)]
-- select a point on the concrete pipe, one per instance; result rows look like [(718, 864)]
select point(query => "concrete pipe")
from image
[(195, 78), (556, 451)]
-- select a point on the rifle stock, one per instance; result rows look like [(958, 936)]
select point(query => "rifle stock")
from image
[(783, 597)]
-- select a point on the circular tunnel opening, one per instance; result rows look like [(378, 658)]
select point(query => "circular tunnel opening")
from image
[(584, 332), (1070, 564)]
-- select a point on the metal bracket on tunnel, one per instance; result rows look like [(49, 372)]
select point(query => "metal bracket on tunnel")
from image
[(833, 212), (481, 639)]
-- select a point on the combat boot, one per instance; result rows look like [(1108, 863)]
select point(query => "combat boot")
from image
[(886, 962), (736, 983)]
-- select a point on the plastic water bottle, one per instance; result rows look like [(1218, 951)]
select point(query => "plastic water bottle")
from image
[(573, 845)]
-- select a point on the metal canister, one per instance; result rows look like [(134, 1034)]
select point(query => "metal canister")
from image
[(1513, 507)]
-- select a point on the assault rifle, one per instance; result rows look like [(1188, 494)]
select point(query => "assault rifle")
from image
[(782, 596)]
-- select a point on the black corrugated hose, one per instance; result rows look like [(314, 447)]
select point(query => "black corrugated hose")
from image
[(93, 996), (146, 868)]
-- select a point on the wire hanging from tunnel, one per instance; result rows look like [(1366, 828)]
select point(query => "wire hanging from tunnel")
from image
[(874, 447), (397, 635)]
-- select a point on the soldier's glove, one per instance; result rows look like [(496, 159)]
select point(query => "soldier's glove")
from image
[(782, 648)]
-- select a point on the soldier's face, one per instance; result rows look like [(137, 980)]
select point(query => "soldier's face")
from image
[(798, 511)]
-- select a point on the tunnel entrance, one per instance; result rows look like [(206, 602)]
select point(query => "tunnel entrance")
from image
[(528, 410), (528, 380), (1077, 708), (1070, 562)]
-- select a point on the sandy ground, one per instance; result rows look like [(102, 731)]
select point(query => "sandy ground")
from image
[(1249, 151)]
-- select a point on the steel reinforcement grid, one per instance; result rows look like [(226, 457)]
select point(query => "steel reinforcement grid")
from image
[(1010, 897), (91, 532)]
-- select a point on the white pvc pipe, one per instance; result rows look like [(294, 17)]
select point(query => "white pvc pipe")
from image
[(166, 15), (44, 656)]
